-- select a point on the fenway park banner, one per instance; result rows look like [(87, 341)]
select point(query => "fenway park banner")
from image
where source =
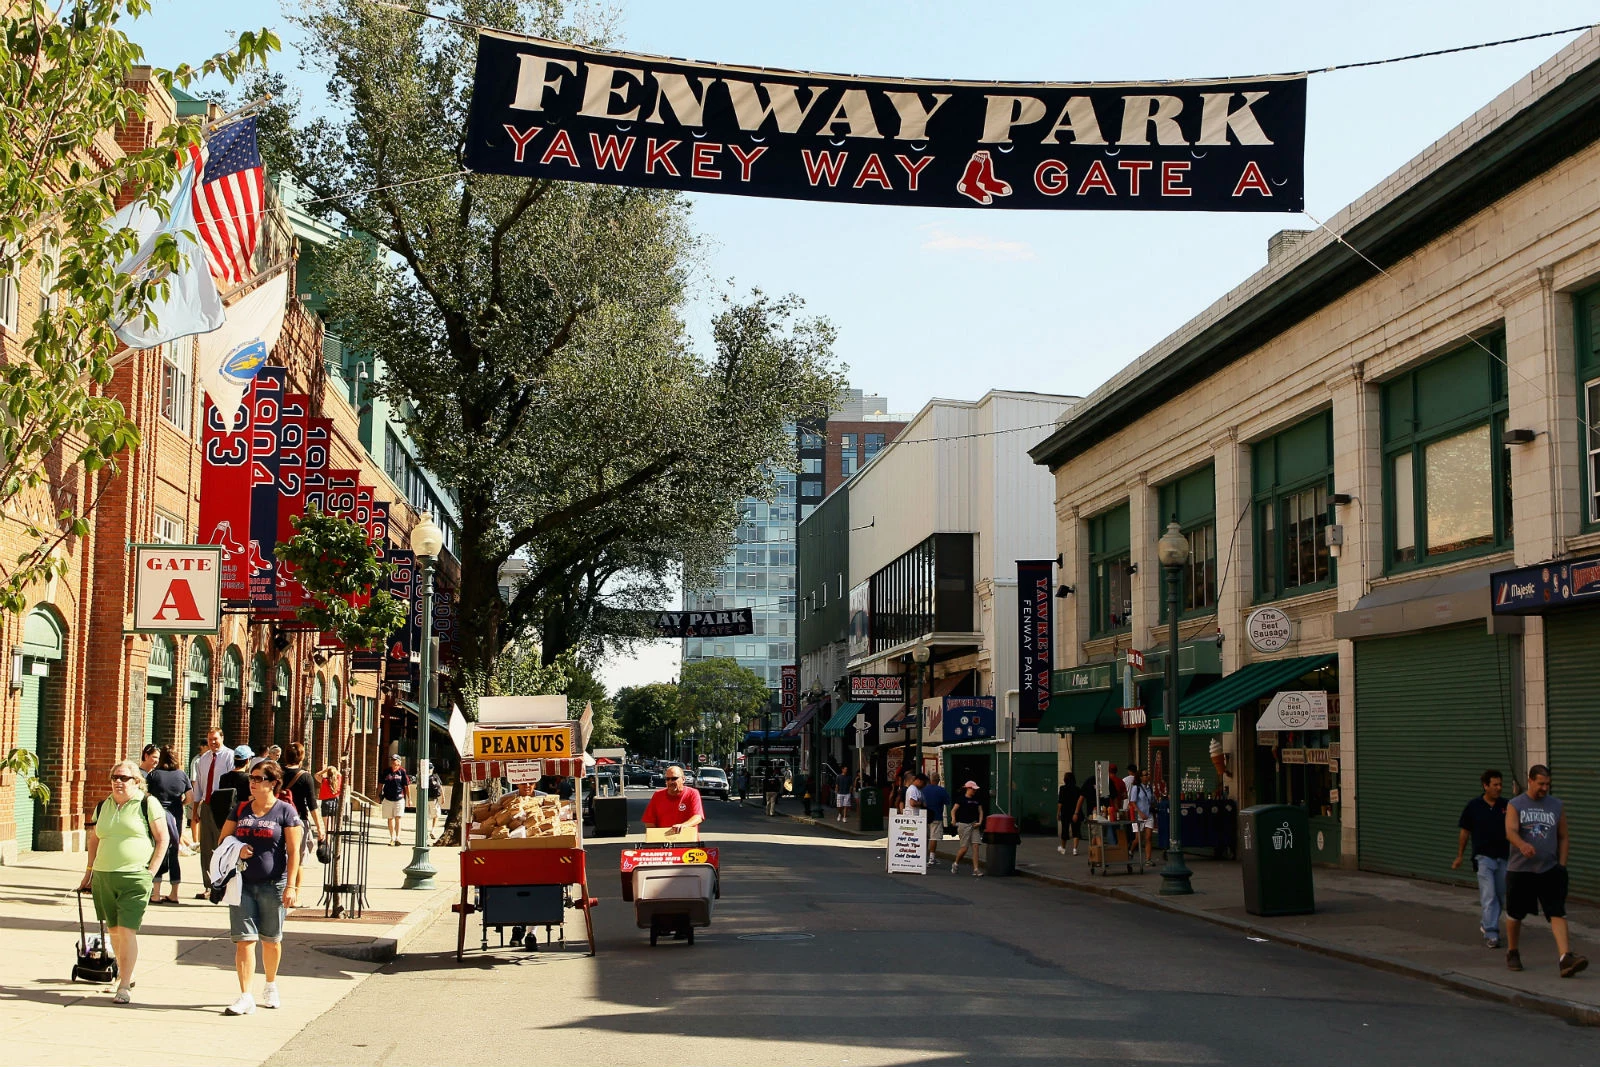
[(549, 110), (1035, 639)]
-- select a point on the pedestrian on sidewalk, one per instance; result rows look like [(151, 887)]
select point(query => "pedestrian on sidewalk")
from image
[(897, 800), (841, 794), (435, 791), (172, 790), (330, 791), (1087, 801), (127, 843), (805, 792), (395, 781), (209, 767), (271, 832), (1536, 875), (297, 791), (771, 786), (1483, 823), (935, 801), (1067, 798), (968, 817)]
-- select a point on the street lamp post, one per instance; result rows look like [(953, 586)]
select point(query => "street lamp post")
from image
[(920, 656), (1173, 552), (426, 541)]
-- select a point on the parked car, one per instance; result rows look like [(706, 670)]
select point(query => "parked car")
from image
[(712, 782), (637, 774)]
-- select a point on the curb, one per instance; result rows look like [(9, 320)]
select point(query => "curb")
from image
[(1572, 1011), (382, 950), (836, 827)]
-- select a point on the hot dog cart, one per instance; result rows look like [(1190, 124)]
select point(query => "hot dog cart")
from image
[(523, 854)]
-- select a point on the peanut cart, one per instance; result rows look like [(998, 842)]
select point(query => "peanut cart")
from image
[(524, 853)]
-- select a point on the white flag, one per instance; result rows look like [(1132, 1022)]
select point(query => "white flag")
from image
[(231, 356), (191, 305)]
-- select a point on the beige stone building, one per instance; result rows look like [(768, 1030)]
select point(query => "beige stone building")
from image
[(1358, 436)]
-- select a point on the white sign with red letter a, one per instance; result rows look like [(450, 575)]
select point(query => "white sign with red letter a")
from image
[(177, 589)]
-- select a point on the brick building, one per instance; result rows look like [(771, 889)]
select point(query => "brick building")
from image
[(85, 691)]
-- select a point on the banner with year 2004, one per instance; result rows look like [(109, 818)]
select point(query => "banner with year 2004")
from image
[(545, 109)]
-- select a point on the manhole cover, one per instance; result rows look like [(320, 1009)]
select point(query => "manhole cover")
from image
[(775, 937)]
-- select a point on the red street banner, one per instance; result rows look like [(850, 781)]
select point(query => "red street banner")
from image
[(225, 497), (542, 109), (1035, 637), (789, 694), (266, 418)]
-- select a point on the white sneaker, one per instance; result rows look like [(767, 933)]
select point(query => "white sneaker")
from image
[(269, 996), (1061, 849), (953, 867), (245, 1005)]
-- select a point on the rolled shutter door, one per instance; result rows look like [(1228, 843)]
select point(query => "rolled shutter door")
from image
[(1572, 672), (28, 738), (1433, 712)]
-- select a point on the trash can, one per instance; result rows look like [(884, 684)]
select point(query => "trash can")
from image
[(1275, 854), (610, 816), (871, 808), (1000, 840)]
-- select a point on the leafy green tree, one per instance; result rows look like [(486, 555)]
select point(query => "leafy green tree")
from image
[(330, 556), (66, 81), (25, 765), (531, 329), (719, 699), (647, 713)]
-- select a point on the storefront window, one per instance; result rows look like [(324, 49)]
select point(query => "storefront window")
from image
[(1190, 501), (1442, 429), (1588, 366), (1291, 477), (1110, 584)]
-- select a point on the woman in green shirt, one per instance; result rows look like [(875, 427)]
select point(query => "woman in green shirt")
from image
[(127, 846)]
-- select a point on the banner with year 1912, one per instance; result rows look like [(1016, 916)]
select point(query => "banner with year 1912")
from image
[(549, 110)]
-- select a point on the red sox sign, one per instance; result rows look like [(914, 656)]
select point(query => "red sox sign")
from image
[(177, 589)]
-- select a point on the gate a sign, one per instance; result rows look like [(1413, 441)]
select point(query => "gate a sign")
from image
[(177, 589)]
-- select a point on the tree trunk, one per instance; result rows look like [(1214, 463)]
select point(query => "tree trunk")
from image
[(480, 609)]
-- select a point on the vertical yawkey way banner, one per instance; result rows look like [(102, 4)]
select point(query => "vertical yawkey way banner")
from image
[(265, 400), (543, 109), (225, 497), (1035, 636)]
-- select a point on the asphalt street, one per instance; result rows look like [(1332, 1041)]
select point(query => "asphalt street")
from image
[(816, 956)]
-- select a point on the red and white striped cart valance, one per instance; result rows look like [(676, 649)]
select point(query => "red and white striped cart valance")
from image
[(483, 770)]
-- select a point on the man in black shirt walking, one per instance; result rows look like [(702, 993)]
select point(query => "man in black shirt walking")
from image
[(1483, 822)]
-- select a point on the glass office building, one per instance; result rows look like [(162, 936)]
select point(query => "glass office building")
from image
[(759, 574)]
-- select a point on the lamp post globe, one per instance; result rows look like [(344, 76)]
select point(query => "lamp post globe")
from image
[(427, 540), (1173, 553)]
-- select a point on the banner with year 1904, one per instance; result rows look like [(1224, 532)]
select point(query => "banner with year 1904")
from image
[(549, 110)]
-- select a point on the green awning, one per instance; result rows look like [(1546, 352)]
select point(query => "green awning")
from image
[(836, 726), (1249, 683), (1081, 713)]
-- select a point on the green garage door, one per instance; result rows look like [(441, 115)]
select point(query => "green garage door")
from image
[(1087, 749), (1572, 656), (1433, 712), (28, 738)]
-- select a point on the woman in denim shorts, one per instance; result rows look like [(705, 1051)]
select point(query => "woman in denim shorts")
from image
[(270, 830)]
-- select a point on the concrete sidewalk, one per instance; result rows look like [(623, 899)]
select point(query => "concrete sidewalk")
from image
[(185, 971), (1422, 929)]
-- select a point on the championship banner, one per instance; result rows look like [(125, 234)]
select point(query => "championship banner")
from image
[(265, 400), (542, 109), (289, 595), (339, 498), (444, 619), (402, 586), (225, 497), (314, 472), (1035, 636), (371, 659)]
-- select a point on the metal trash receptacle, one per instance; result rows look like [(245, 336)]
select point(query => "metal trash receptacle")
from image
[(611, 816), (1000, 841), (871, 808), (1275, 857)]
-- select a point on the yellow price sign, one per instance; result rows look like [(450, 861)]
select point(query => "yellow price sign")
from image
[(523, 742), (695, 855)]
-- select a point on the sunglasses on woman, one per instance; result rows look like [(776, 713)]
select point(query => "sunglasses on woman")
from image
[(123, 778), (262, 778)]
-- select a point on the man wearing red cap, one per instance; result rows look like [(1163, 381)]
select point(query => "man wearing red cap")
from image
[(967, 812)]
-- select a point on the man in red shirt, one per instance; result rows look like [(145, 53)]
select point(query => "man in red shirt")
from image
[(675, 807)]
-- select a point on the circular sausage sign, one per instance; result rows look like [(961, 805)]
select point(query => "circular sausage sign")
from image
[(1269, 630)]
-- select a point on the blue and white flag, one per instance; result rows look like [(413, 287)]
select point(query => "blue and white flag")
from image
[(193, 304), (231, 356)]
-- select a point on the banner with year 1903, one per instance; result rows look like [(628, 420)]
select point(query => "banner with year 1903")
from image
[(550, 110)]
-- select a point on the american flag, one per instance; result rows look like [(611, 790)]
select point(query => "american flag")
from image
[(228, 201)]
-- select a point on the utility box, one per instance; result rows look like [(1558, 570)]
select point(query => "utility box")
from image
[(611, 816), (1275, 854), (871, 808)]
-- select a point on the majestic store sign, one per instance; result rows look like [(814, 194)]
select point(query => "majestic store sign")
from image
[(548, 110)]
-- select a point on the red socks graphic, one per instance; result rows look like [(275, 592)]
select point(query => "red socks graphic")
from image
[(978, 181)]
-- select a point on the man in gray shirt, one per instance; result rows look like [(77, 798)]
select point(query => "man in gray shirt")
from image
[(1536, 876)]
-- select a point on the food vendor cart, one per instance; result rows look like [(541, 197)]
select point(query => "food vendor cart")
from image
[(523, 854), (671, 885)]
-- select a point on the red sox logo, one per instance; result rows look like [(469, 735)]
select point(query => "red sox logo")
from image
[(978, 181)]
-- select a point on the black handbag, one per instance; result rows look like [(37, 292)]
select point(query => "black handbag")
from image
[(325, 851), (94, 962)]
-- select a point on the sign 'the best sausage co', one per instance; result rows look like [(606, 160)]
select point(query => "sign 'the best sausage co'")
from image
[(547, 110)]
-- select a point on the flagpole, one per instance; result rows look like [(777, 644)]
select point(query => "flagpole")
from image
[(275, 269), (209, 128)]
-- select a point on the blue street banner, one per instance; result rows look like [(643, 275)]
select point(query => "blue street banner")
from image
[(1035, 636), (544, 109), (266, 428)]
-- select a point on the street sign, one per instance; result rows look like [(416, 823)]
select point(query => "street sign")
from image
[(702, 757), (1136, 659), (861, 726), (177, 589), (1132, 718)]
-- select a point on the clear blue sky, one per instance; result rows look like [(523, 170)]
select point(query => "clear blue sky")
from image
[(952, 303)]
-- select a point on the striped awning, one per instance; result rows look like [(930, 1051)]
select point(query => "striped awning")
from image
[(836, 726), (483, 770)]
